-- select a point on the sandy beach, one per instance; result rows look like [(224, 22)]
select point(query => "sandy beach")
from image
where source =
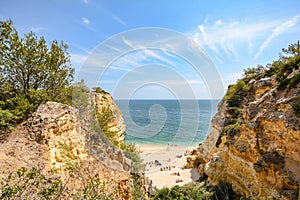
[(164, 165)]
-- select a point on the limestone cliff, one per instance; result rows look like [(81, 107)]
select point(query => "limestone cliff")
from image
[(58, 140), (116, 121), (257, 150)]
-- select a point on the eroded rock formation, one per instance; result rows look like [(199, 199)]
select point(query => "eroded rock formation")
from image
[(55, 138), (116, 123), (262, 159)]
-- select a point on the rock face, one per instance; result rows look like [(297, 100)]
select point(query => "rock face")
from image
[(262, 159), (54, 138), (116, 123)]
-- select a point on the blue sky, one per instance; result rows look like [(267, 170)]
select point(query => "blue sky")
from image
[(233, 35)]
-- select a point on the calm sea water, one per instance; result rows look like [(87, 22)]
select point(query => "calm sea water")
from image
[(181, 122)]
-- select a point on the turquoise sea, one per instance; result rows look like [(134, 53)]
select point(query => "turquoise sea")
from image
[(174, 122)]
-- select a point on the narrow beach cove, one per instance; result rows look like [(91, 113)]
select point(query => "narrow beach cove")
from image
[(164, 165)]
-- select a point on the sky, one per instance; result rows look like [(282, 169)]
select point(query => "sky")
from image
[(161, 49)]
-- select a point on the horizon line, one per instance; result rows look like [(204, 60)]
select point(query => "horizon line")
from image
[(166, 99)]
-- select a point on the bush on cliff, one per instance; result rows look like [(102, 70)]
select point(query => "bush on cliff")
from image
[(30, 73)]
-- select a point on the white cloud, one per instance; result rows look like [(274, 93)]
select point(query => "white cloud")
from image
[(119, 20), (85, 20), (37, 29), (158, 56), (85, 1), (170, 82), (77, 59), (146, 54), (278, 30), (128, 42), (226, 37), (218, 22), (229, 37), (231, 78)]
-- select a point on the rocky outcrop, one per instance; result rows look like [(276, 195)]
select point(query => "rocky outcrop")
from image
[(262, 159), (116, 122), (55, 139)]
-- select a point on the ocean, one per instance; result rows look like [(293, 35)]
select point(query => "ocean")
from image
[(167, 122)]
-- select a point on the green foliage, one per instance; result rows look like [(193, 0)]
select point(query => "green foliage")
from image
[(234, 97), (130, 147), (68, 157), (30, 74), (192, 191), (137, 184), (175, 192), (233, 128), (6, 121), (295, 80), (196, 191), (99, 90), (30, 184), (35, 184), (95, 189), (236, 93), (27, 63), (292, 51), (80, 99), (104, 116), (223, 191), (253, 73), (296, 107), (288, 62)]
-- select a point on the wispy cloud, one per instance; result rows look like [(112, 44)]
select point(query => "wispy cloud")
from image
[(85, 1), (78, 59), (170, 82), (277, 31), (38, 29), (220, 36), (150, 53), (232, 78), (119, 20), (128, 42), (229, 37), (159, 56), (85, 20)]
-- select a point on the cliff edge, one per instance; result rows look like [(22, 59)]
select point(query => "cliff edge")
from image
[(58, 141), (255, 140)]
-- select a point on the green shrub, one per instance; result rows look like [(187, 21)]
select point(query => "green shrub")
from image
[(99, 90), (6, 121), (30, 184), (196, 191), (283, 84), (254, 73), (137, 194), (232, 129), (295, 80), (94, 189), (296, 107), (236, 93), (31, 73)]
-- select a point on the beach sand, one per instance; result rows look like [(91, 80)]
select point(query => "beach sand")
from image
[(172, 159)]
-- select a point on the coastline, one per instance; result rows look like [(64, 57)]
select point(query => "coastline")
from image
[(164, 164)]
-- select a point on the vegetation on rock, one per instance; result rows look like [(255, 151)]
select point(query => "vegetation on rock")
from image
[(236, 95), (31, 73), (196, 191)]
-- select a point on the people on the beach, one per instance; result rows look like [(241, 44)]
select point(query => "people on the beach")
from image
[(167, 168), (155, 163)]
